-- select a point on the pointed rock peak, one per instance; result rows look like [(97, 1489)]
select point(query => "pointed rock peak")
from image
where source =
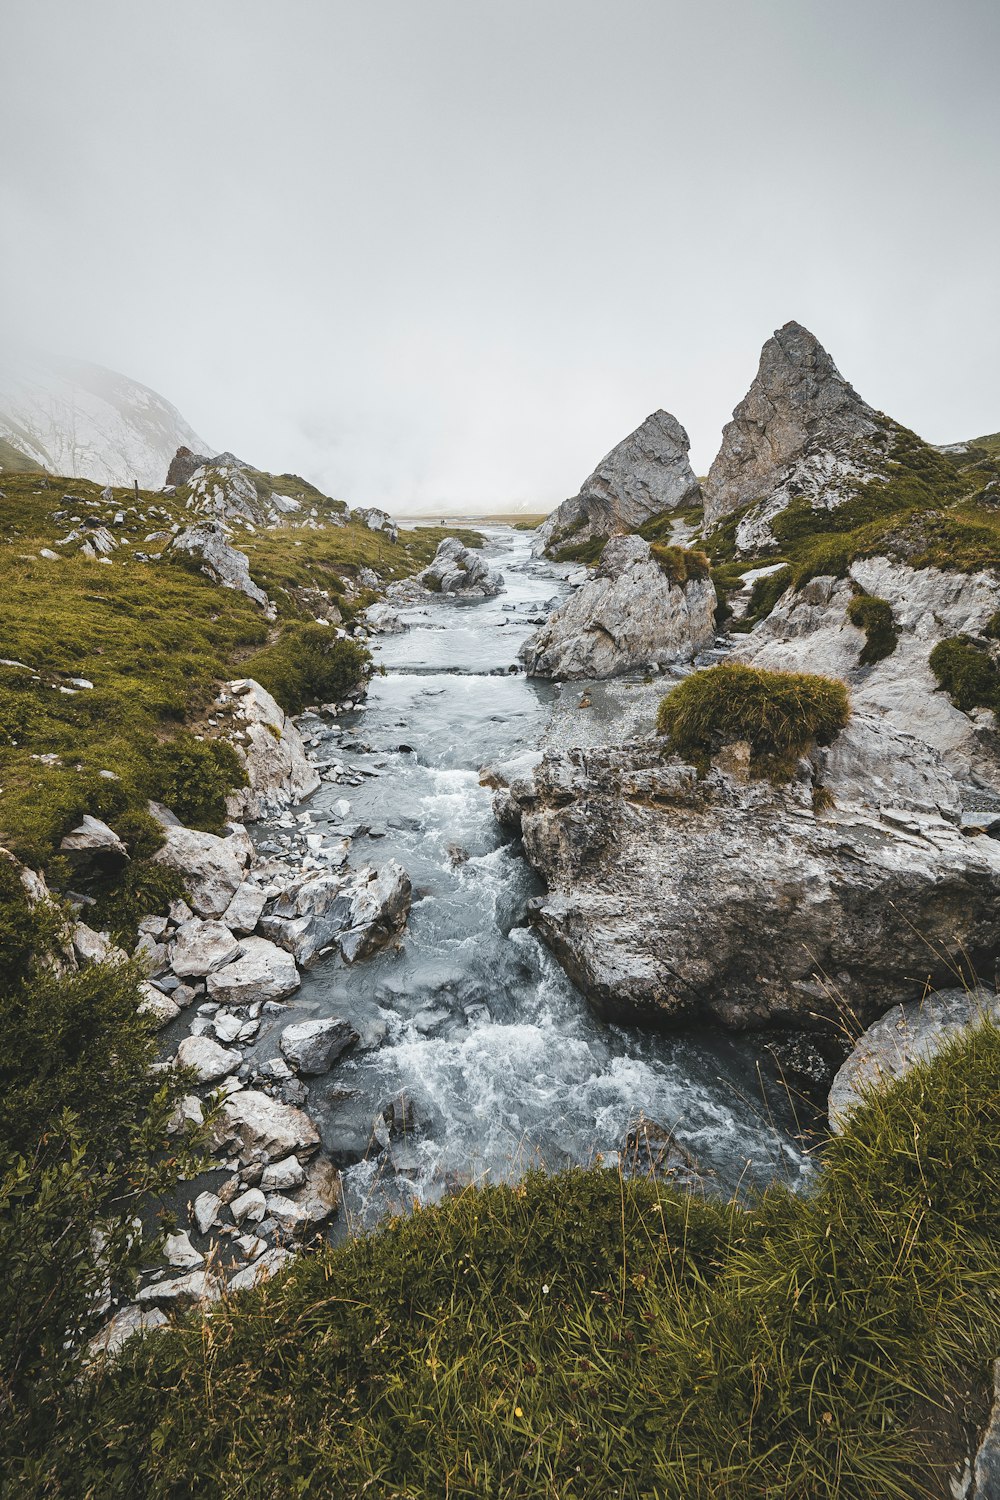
[(644, 475), (798, 411)]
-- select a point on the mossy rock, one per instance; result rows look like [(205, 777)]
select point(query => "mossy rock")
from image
[(781, 715)]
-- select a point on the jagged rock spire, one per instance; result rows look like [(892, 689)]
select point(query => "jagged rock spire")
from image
[(799, 404), (644, 475)]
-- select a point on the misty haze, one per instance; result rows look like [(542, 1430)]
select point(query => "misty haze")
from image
[(499, 750)]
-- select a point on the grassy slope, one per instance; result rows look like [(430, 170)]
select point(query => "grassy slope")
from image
[(584, 1335), (155, 638), (931, 512)]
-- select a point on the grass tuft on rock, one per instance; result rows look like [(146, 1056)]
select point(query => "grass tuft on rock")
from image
[(779, 714), (680, 564), (874, 616), (967, 672)]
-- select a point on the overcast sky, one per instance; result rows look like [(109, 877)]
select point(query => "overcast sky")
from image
[(448, 252)]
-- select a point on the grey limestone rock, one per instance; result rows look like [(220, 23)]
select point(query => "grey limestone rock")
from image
[(800, 428), (643, 476), (629, 614), (672, 897)]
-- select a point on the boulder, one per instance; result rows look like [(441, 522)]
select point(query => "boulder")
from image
[(248, 1206), (808, 631), (95, 847), (279, 772), (313, 1205), (309, 915), (209, 1061), (261, 1270), (282, 1175), (244, 911), (457, 569), (645, 475), (179, 1251), (628, 615), (160, 1008), (672, 897), (205, 1211), (212, 867), (905, 1035), (201, 947), (314, 1046), (261, 1125), (126, 1322), (382, 619), (380, 903), (800, 429), (183, 465), (184, 1291), (208, 543), (263, 971), (93, 947)]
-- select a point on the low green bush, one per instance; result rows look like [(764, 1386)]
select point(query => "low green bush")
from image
[(83, 1145), (967, 673), (874, 617), (193, 777), (589, 1335), (780, 714), (309, 664)]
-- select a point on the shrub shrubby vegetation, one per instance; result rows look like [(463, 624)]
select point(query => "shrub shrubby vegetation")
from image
[(83, 1145), (587, 1335), (780, 714), (967, 672), (309, 664), (874, 617), (680, 564)]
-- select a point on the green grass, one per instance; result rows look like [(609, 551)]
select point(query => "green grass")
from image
[(586, 1335), (155, 638), (780, 714)]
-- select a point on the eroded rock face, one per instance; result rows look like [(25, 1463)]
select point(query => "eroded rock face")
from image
[(801, 428), (629, 614), (808, 631), (904, 1036), (279, 772), (459, 570), (644, 475), (208, 542), (671, 898)]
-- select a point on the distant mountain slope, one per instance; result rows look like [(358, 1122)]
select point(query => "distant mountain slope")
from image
[(85, 422)]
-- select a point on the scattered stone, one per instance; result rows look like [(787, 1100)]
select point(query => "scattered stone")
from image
[(180, 1252), (244, 911), (269, 1264), (249, 1205), (206, 1211), (93, 845), (185, 1291), (259, 1124), (126, 1322), (279, 1176), (208, 541), (209, 1061)]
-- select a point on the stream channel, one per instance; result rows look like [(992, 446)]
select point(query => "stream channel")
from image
[(471, 1018)]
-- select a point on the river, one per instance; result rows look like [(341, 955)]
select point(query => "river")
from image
[(502, 1061)]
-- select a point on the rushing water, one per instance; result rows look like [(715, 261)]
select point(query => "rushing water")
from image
[(472, 1018)]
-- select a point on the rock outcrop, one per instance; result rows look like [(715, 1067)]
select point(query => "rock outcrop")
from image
[(800, 429), (208, 543), (904, 1036), (630, 614), (457, 569), (644, 475), (279, 772), (809, 631), (671, 897)]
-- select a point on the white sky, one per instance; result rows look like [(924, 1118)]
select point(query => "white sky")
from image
[(449, 252)]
